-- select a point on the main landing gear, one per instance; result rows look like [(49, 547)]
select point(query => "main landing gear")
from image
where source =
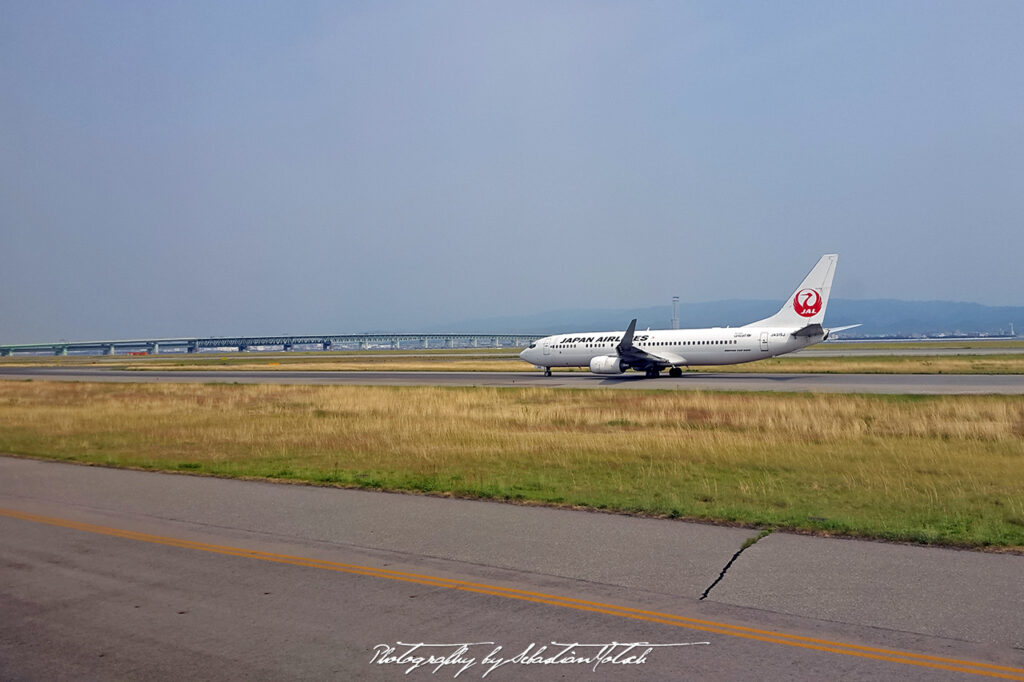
[(547, 371), (654, 372)]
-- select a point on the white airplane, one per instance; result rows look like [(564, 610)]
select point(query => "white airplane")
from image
[(796, 325)]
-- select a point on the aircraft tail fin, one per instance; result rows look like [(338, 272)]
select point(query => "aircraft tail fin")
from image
[(807, 304)]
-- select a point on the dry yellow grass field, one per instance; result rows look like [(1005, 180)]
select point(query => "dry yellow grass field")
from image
[(927, 469)]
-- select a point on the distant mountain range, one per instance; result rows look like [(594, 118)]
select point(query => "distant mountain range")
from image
[(880, 318)]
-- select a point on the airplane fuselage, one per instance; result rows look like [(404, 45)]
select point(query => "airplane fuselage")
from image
[(712, 346)]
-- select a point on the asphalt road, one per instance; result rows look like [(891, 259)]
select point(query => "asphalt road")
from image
[(937, 384), (838, 351), (120, 574)]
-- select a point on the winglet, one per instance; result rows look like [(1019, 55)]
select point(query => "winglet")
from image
[(627, 339)]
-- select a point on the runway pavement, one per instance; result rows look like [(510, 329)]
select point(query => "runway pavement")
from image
[(120, 574), (838, 351), (936, 384)]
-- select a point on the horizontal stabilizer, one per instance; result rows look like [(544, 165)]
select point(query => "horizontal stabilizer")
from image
[(810, 330), (817, 330)]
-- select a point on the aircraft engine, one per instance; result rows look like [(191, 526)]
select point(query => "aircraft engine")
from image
[(607, 364)]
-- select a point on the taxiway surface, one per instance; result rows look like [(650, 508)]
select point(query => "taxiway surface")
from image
[(935, 384), (112, 574)]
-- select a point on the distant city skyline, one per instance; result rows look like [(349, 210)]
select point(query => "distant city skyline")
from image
[(234, 168)]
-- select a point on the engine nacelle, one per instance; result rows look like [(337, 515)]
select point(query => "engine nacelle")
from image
[(607, 364)]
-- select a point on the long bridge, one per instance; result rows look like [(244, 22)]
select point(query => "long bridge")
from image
[(287, 343)]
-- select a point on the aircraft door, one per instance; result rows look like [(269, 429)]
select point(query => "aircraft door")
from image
[(764, 341), (547, 349)]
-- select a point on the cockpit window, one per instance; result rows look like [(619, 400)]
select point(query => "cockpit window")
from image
[(533, 345)]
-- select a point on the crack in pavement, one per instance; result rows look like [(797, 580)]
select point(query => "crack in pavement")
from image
[(749, 543)]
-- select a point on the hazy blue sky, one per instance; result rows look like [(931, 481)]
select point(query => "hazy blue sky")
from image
[(240, 167)]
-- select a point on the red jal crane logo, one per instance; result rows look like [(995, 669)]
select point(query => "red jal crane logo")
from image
[(807, 303)]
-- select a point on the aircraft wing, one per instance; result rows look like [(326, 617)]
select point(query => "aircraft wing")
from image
[(642, 359), (668, 358)]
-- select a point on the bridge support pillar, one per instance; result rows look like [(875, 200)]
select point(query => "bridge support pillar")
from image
[(193, 347), (286, 347), (60, 350), (426, 343), (450, 343), (326, 345), (108, 350), (154, 348), (396, 344)]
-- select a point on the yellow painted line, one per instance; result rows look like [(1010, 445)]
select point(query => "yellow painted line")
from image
[(889, 655)]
